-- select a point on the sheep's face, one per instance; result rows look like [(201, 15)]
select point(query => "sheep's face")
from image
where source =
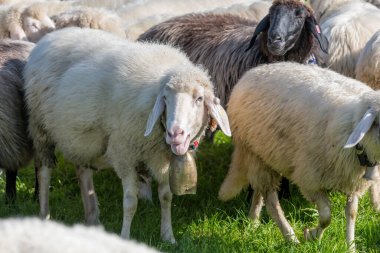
[(185, 116), (286, 24), (35, 29), (187, 102)]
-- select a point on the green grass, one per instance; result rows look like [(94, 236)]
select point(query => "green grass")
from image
[(201, 222)]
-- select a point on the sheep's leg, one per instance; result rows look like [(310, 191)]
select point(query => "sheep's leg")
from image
[(10, 185), (256, 206), (374, 193), (36, 185), (90, 201), (265, 182), (166, 196), (323, 205), (277, 214), (237, 176), (44, 161), (44, 175), (351, 212), (130, 191)]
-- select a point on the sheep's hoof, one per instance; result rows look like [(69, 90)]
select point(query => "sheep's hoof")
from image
[(255, 222), (376, 207), (93, 222), (292, 238), (310, 234), (45, 216), (169, 239)]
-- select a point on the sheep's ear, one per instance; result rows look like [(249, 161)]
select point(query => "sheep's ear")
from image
[(313, 27), (263, 25), (158, 109), (361, 129), (218, 113), (17, 33)]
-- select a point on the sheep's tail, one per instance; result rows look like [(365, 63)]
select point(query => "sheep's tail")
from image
[(237, 177)]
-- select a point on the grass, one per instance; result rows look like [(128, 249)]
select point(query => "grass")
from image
[(201, 222)]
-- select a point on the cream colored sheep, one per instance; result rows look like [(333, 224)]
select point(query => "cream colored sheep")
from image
[(87, 17), (32, 235), (134, 30), (368, 65), (29, 20), (253, 11), (302, 122), (36, 17), (348, 25), (130, 14)]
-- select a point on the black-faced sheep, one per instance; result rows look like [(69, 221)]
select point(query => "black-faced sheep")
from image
[(225, 46), (94, 104), (15, 146), (303, 123)]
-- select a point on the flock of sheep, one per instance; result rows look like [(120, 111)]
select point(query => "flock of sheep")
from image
[(136, 84)]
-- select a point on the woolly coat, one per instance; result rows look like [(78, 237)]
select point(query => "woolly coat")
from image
[(45, 236), (173, 8), (293, 120), (253, 11), (348, 25), (70, 117), (368, 65), (15, 145), (95, 18)]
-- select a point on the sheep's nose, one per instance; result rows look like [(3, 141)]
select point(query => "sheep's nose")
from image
[(275, 39), (176, 132)]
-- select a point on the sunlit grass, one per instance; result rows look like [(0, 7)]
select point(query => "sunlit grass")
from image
[(201, 222)]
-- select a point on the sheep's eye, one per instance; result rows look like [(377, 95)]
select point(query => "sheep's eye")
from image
[(164, 97), (199, 99)]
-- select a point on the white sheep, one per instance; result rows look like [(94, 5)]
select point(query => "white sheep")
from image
[(252, 11), (93, 105), (36, 18), (110, 5), (302, 122), (87, 17), (32, 235), (348, 25), (29, 20), (169, 8), (10, 23), (135, 29), (368, 65)]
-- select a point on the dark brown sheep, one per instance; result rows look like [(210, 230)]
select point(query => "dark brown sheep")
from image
[(224, 44), (15, 146)]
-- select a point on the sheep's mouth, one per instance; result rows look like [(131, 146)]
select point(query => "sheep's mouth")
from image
[(181, 148), (277, 49)]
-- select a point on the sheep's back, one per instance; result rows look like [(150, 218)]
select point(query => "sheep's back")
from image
[(294, 116)]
